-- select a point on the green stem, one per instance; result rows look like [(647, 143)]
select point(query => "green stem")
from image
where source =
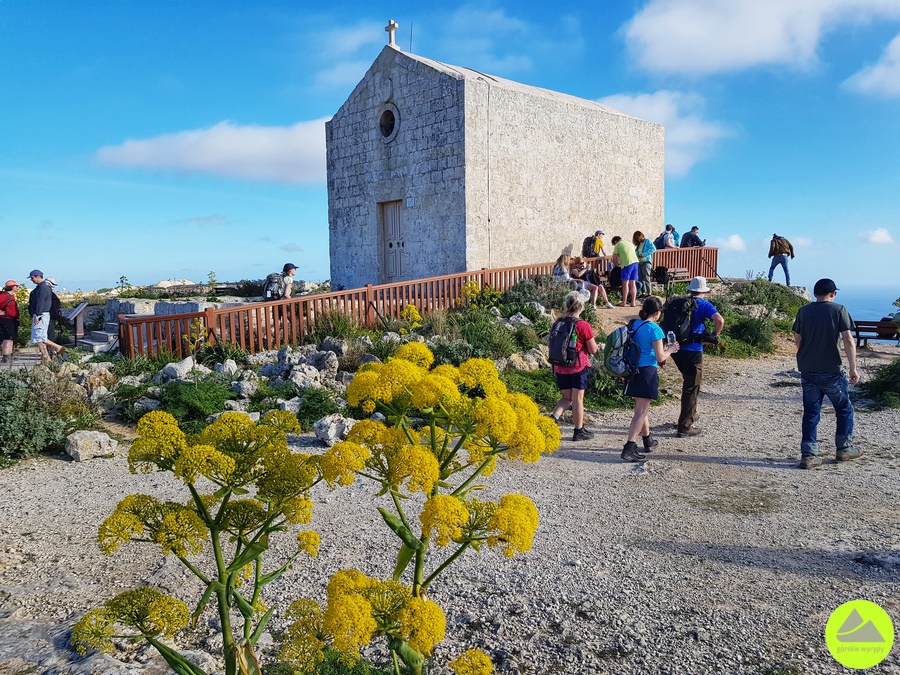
[(396, 662), (444, 565), (471, 478), (256, 589), (222, 600), (400, 510), (193, 569)]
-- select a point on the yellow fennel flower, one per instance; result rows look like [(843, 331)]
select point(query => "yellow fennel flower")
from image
[(446, 370), (149, 611), (181, 532), (496, 420), (309, 541), (93, 631), (362, 387), (347, 581), (550, 431), (443, 516), (367, 432), (433, 390), (348, 619), (526, 443), (482, 372), (472, 662), (282, 420), (524, 403), (118, 528), (419, 466), (297, 510), (422, 624), (397, 377), (416, 353), (513, 524), (243, 516), (303, 645), (160, 443), (203, 460), (387, 598), (342, 461)]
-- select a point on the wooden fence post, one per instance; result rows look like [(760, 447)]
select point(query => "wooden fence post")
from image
[(209, 319), (369, 299)]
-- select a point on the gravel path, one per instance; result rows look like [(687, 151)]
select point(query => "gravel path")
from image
[(715, 556)]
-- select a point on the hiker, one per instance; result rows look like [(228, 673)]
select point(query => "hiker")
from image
[(578, 270), (692, 239), (562, 274), (592, 246), (643, 385), (572, 380), (779, 250), (625, 256), (689, 359), (818, 328), (55, 309), (9, 320), (39, 303), (645, 250)]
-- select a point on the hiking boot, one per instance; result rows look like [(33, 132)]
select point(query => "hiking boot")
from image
[(650, 442), (810, 461), (5, 359), (582, 434), (847, 454), (693, 431), (554, 418), (630, 453)]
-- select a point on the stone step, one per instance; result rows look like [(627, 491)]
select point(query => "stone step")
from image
[(102, 335)]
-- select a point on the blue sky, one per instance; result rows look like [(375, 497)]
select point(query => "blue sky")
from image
[(167, 140)]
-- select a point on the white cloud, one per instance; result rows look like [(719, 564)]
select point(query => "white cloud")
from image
[(733, 242), (291, 247), (294, 154), (878, 236), (689, 137), (345, 54), (800, 242), (881, 78), (709, 36)]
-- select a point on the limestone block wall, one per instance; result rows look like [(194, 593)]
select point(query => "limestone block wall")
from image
[(544, 171), (423, 165)]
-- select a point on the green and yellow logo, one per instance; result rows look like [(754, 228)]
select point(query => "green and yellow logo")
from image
[(859, 634)]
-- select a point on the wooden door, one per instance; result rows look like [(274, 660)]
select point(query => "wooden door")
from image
[(393, 244)]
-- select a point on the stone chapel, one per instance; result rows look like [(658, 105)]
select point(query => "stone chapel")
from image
[(437, 169)]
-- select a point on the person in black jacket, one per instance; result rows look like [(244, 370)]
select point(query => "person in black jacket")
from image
[(39, 303), (692, 239)]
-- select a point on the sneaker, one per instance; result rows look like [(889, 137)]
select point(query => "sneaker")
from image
[(630, 453), (609, 305), (847, 454), (650, 442), (693, 431), (810, 461), (582, 434), (553, 417)]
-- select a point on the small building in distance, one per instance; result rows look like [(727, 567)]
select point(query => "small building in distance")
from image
[(436, 169)]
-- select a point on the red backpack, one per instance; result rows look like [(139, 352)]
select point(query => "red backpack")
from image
[(8, 307)]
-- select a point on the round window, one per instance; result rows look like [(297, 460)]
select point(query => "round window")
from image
[(389, 122)]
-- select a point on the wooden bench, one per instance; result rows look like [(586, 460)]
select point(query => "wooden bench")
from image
[(874, 330), (677, 274)]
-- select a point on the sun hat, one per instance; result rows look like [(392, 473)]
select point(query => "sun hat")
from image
[(698, 285), (824, 287), (36, 273), (11, 282), (50, 281)]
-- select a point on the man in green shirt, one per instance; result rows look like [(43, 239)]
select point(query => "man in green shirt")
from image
[(625, 256)]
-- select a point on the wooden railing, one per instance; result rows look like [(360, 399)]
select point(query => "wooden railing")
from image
[(259, 326)]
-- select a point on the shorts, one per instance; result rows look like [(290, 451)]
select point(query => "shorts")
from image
[(573, 380), (630, 272), (9, 329), (644, 383), (39, 330)]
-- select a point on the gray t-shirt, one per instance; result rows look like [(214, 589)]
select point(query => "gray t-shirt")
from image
[(820, 325)]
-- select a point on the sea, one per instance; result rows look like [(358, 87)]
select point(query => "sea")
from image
[(869, 303)]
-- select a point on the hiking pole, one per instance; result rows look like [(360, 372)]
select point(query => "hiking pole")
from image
[(715, 271)]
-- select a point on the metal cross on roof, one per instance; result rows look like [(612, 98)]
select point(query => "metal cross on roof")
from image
[(390, 28)]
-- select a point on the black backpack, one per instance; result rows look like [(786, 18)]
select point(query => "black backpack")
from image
[(614, 279), (273, 289), (660, 241), (563, 342), (55, 307), (661, 275), (677, 319)]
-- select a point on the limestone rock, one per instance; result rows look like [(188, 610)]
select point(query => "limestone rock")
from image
[(304, 376), (333, 428), (368, 358), (245, 388), (132, 380), (84, 445), (325, 362), (336, 345), (237, 406), (519, 319), (229, 367), (262, 358), (145, 405), (292, 405), (391, 337)]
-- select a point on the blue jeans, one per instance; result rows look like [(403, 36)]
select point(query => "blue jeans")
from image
[(780, 260), (816, 386)]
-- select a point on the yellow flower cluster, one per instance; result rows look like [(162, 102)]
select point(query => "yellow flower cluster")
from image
[(343, 460), (181, 532), (411, 314), (287, 477), (175, 528), (482, 372), (513, 524), (348, 619), (443, 516), (415, 352), (422, 624), (308, 541), (434, 390), (145, 610), (417, 466), (203, 460), (160, 443), (243, 515), (304, 639), (495, 420), (282, 420), (472, 662)]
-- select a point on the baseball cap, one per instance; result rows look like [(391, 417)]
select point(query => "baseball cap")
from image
[(36, 273), (11, 282), (824, 287), (695, 228), (599, 233), (288, 267)]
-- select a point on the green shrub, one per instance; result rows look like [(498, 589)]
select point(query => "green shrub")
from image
[(526, 338), (126, 396), (540, 385), (752, 331), (28, 424), (489, 338), (884, 388), (775, 297), (192, 402), (317, 403), (604, 392), (332, 324), (221, 352), (453, 353), (265, 391)]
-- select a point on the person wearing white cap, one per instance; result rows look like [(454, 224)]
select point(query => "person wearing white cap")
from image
[(689, 359)]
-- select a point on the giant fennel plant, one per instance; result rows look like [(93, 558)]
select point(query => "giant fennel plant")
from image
[(470, 422), (257, 488)]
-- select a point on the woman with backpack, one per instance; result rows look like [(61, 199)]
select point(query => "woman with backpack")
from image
[(645, 250), (643, 385), (572, 380), (9, 319)]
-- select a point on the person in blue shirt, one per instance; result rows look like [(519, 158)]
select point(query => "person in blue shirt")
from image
[(690, 359), (643, 385)]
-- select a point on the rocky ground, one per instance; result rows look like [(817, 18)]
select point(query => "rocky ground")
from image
[(715, 556)]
